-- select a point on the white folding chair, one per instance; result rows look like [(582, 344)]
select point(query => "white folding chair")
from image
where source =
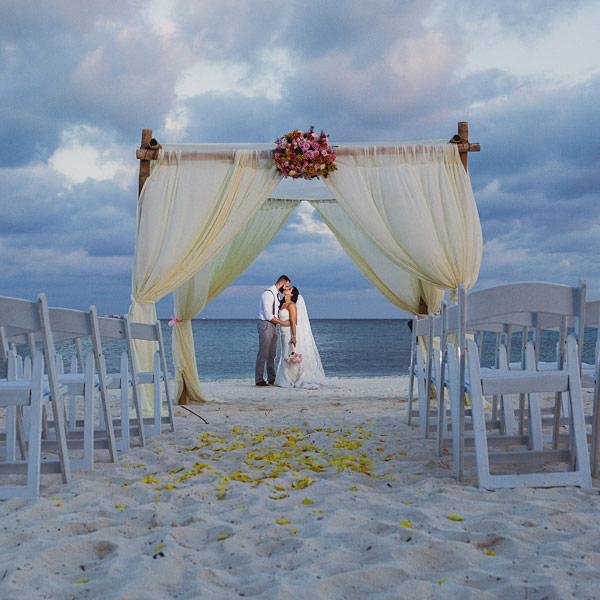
[(152, 333), (490, 306), (18, 394), (590, 378), (26, 317), (532, 383), (69, 324), (110, 328), (421, 370)]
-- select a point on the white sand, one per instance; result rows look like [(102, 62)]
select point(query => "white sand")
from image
[(349, 471)]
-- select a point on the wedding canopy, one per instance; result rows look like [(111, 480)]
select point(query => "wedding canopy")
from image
[(404, 213)]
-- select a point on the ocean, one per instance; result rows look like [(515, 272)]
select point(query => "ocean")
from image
[(226, 348)]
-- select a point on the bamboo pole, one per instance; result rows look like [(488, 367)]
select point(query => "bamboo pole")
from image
[(148, 151), (462, 140)]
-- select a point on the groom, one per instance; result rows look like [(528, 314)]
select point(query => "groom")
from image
[(267, 331)]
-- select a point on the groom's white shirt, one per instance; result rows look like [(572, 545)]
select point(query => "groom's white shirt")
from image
[(267, 305)]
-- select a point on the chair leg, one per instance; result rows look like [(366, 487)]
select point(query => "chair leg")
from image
[(35, 441)]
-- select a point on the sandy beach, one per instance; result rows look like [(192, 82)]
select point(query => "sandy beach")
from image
[(296, 494)]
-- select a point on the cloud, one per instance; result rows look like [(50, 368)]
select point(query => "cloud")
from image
[(81, 80)]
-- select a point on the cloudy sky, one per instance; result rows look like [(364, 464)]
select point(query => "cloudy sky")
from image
[(79, 81)]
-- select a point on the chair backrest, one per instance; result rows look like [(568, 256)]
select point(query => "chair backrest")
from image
[(546, 298), (20, 321), (147, 332), (19, 316), (110, 327), (530, 302)]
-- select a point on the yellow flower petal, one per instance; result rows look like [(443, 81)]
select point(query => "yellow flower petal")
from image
[(241, 506), (443, 580), (149, 479), (406, 523), (489, 552), (220, 538), (283, 522), (307, 501), (320, 512), (353, 489), (293, 531), (84, 580), (279, 497), (120, 506), (302, 483), (454, 517), (159, 547)]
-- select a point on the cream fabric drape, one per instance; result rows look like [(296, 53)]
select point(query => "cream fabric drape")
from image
[(402, 289), (211, 280), (416, 205), (188, 211)]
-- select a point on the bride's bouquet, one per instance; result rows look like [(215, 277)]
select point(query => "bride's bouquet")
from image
[(293, 361), (293, 358)]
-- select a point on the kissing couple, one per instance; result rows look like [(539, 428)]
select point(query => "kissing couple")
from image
[(299, 361)]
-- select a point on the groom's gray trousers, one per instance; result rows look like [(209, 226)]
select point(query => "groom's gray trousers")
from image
[(267, 350)]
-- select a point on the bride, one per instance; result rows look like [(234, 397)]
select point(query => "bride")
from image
[(298, 338)]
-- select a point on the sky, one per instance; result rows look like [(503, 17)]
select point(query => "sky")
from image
[(80, 80)]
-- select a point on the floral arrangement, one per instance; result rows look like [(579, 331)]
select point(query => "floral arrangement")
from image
[(304, 154), (293, 359)]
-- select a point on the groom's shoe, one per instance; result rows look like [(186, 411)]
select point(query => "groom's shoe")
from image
[(271, 383), (262, 382)]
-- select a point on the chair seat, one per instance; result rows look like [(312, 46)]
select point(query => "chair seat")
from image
[(76, 382), (588, 378), (25, 384)]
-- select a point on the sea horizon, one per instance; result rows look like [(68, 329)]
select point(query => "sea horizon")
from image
[(225, 348)]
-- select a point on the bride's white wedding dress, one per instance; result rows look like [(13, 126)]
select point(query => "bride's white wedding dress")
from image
[(309, 373)]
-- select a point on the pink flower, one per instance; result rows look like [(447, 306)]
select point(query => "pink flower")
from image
[(173, 321), (304, 154)]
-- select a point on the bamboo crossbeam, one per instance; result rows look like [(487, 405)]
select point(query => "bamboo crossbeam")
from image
[(150, 150), (167, 156)]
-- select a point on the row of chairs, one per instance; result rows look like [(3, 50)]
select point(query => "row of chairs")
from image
[(54, 421), (511, 420)]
